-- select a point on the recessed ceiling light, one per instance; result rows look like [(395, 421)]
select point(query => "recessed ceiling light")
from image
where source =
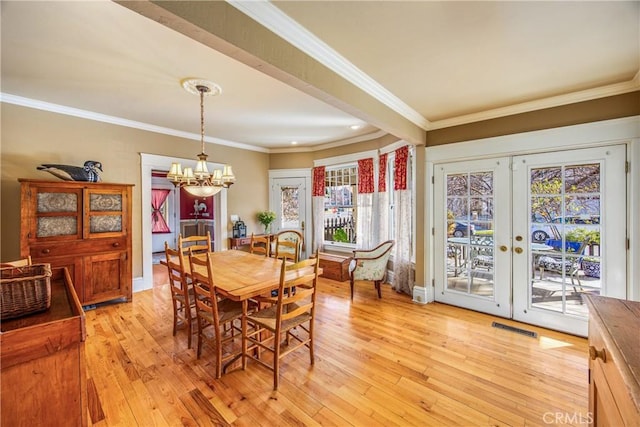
[(294, 142), (355, 127)]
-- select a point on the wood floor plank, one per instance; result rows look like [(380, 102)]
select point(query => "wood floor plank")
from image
[(379, 362)]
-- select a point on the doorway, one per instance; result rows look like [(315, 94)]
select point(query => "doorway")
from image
[(514, 235), (289, 198), (148, 163)]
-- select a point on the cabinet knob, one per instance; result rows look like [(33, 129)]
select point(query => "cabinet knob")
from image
[(46, 251), (594, 354), (116, 244)]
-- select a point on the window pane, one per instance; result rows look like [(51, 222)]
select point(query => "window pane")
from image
[(289, 201), (339, 204)]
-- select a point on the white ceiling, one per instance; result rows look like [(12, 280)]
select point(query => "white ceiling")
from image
[(436, 63)]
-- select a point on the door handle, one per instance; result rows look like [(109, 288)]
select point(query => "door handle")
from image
[(517, 250), (504, 248)]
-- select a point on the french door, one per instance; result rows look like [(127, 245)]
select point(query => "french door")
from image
[(524, 237)]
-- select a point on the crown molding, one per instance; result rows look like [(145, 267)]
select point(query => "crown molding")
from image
[(268, 15), (90, 115), (550, 102)]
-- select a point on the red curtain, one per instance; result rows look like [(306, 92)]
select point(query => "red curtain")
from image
[(400, 177), (158, 223), (365, 176), (318, 181), (382, 180)]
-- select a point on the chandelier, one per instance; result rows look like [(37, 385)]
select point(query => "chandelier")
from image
[(199, 181)]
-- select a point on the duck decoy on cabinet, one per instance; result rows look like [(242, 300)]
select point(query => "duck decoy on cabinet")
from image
[(87, 173)]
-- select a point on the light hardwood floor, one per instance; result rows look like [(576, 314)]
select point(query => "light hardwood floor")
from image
[(385, 362)]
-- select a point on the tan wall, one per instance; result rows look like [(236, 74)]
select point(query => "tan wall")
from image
[(611, 107), (31, 137)]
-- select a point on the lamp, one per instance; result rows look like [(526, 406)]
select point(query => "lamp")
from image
[(199, 182)]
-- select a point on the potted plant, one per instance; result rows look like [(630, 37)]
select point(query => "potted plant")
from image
[(340, 236), (590, 264), (266, 218), (591, 267)]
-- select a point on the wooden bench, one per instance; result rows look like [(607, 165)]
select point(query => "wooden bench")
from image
[(335, 267)]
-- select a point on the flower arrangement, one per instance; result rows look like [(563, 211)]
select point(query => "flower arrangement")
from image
[(266, 218)]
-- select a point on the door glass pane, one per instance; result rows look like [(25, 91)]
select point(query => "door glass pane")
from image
[(470, 244), (289, 202), (565, 231)]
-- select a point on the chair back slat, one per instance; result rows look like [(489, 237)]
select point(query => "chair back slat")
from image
[(289, 244), (196, 244), (203, 284), (296, 295), (260, 245)]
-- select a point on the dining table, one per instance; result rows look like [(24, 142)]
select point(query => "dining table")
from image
[(240, 276)]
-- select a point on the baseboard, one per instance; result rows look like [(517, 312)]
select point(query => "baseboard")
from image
[(420, 295), (139, 284)]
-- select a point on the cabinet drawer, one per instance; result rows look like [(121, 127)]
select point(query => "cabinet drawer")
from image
[(610, 377), (40, 250)]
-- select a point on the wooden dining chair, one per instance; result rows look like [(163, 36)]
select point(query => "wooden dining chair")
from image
[(260, 245), (214, 311), (181, 293), (288, 245), (196, 244), (291, 313), (287, 250)]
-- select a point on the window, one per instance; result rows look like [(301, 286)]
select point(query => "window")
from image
[(341, 187)]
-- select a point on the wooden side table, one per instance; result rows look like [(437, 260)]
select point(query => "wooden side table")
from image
[(239, 242), (335, 267)]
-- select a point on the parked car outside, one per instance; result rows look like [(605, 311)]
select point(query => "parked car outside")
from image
[(541, 232), (461, 229)]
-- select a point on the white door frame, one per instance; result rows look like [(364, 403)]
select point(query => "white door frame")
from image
[(618, 131), (148, 163)]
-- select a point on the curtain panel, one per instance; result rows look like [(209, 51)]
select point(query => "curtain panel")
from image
[(317, 194), (402, 267), (158, 222), (383, 200), (364, 221)]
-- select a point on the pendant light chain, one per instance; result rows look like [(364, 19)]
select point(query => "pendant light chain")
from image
[(198, 181)]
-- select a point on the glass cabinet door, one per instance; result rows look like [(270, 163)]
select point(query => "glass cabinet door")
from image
[(58, 214), (105, 210)]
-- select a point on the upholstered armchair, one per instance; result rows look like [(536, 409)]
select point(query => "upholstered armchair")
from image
[(370, 265)]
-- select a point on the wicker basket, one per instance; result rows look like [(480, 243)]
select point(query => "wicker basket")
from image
[(24, 290)]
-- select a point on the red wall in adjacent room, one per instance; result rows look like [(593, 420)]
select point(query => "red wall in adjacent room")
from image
[(187, 202)]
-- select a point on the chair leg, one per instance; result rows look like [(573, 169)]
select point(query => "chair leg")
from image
[(377, 283), (199, 351), (311, 356), (351, 283), (175, 319), (276, 360), (218, 355), (188, 321)]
